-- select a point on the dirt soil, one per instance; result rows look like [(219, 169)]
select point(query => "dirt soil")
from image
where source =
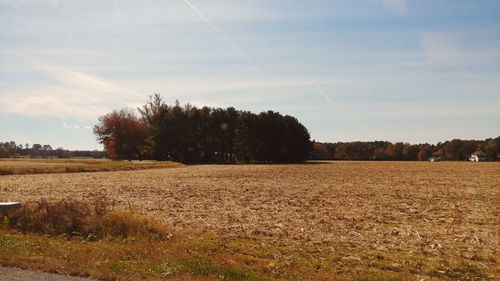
[(412, 215)]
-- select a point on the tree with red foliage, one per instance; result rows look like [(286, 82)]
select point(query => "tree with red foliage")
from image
[(123, 134), (422, 155)]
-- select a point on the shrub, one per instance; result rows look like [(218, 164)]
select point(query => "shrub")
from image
[(93, 220)]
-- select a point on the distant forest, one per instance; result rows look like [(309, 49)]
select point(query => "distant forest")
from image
[(10, 149), (455, 150), (189, 134)]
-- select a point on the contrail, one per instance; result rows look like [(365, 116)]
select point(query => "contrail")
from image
[(242, 55), (320, 90), (202, 16), (216, 30)]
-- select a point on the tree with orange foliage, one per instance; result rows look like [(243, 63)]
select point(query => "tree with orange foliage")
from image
[(422, 155), (123, 134)]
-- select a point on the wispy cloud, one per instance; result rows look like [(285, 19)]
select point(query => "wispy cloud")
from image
[(399, 7), (72, 61), (245, 57), (70, 94), (194, 85), (222, 36), (47, 105), (440, 46), (75, 126), (79, 80), (17, 3), (383, 112)]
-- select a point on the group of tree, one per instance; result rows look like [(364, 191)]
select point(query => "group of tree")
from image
[(202, 135), (10, 149), (455, 150)]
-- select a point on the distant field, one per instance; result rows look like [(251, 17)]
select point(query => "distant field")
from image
[(317, 221), (14, 166)]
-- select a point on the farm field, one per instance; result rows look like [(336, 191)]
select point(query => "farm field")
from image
[(12, 166), (315, 221)]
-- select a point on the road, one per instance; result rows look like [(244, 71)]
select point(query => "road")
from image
[(16, 274)]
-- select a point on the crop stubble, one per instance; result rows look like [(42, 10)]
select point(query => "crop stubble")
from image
[(421, 210)]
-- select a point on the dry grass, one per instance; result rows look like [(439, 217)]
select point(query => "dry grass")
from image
[(91, 219), (339, 220), (104, 260), (74, 165), (88, 238)]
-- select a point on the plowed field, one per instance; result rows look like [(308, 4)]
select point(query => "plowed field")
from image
[(420, 218)]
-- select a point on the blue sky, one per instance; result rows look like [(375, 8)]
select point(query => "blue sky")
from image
[(398, 70)]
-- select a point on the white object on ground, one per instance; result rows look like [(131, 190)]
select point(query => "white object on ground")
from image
[(7, 206)]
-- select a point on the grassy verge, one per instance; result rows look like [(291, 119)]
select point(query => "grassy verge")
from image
[(90, 239), (75, 166), (105, 260), (203, 258)]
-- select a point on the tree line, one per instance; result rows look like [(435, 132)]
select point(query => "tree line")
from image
[(455, 150), (10, 149), (190, 134)]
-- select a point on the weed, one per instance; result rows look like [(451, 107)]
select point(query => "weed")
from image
[(92, 220)]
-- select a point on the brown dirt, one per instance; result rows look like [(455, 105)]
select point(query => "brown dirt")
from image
[(445, 213)]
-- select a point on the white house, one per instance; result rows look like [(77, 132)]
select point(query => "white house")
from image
[(436, 158), (477, 156)]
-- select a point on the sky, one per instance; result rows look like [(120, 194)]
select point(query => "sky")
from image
[(414, 71)]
